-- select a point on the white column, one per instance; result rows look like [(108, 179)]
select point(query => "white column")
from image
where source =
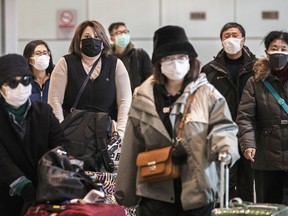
[(10, 34)]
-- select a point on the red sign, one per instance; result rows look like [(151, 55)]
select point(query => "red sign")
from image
[(66, 23)]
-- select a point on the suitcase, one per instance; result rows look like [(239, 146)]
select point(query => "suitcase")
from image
[(236, 206), (102, 209)]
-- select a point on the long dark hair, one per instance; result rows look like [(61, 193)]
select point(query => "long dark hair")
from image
[(29, 50)]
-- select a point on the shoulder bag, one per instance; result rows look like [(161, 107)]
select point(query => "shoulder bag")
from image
[(157, 165)]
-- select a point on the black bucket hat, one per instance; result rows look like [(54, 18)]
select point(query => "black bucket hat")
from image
[(171, 40)]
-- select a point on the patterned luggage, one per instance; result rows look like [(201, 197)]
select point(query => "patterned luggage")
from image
[(237, 207), (108, 181)]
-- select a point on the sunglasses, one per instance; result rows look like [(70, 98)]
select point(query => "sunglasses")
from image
[(25, 80)]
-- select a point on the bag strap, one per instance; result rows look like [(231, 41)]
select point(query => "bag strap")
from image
[(83, 85), (272, 90), (182, 121)]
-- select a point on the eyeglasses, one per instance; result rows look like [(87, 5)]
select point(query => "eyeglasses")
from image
[(25, 80), (126, 31), (39, 53), (169, 59)]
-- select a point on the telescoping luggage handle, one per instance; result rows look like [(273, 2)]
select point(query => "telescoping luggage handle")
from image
[(224, 181)]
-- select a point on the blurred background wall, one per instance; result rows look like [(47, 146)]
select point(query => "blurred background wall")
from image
[(55, 21)]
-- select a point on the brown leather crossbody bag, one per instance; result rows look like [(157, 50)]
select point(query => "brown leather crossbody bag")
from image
[(157, 165)]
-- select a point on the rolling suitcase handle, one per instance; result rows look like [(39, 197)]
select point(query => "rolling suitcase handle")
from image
[(236, 206), (224, 180)]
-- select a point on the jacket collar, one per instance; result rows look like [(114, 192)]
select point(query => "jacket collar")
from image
[(219, 60), (262, 69), (145, 94), (143, 100)]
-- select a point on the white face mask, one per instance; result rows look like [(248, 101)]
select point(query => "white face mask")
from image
[(232, 45), (41, 62), (17, 96), (175, 69)]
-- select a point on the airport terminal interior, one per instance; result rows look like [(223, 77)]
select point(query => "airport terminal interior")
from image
[(55, 21), (165, 93)]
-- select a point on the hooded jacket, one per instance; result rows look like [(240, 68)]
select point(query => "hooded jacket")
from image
[(218, 75), (208, 130), (263, 123)]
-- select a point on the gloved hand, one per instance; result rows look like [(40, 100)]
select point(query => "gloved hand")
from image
[(179, 154), (28, 194)]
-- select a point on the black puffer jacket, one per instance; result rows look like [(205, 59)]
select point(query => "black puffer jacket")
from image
[(263, 123), (218, 75)]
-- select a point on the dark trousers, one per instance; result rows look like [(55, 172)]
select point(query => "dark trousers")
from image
[(150, 207), (271, 186), (241, 180)]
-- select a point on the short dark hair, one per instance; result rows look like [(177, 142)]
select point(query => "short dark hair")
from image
[(115, 26), (29, 50), (274, 35), (74, 47), (232, 25)]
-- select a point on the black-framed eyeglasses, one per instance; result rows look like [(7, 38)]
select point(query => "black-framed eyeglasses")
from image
[(25, 80)]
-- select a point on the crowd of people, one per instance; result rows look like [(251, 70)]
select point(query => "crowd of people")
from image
[(238, 110)]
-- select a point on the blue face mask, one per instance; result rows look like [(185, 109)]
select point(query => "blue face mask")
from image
[(122, 40)]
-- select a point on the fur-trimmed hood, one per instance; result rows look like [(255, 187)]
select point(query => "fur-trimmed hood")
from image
[(262, 69)]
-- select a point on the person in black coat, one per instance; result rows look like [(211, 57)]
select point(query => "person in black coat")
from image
[(263, 122), (229, 72), (28, 130), (136, 60)]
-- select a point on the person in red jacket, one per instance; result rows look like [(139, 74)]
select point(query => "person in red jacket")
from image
[(28, 130)]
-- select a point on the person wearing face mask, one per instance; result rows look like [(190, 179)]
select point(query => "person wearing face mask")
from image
[(108, 89), (39, 58), (136, 60), (28, 130), (263, 122), (156, 110), (229, 72)]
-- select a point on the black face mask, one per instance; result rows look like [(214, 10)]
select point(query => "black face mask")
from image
[(278, 60), (91, 46)]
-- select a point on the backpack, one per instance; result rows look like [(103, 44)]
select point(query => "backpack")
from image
[(89, 134)]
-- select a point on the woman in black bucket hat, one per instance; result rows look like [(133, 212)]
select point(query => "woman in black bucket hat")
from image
[(156, 110)]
